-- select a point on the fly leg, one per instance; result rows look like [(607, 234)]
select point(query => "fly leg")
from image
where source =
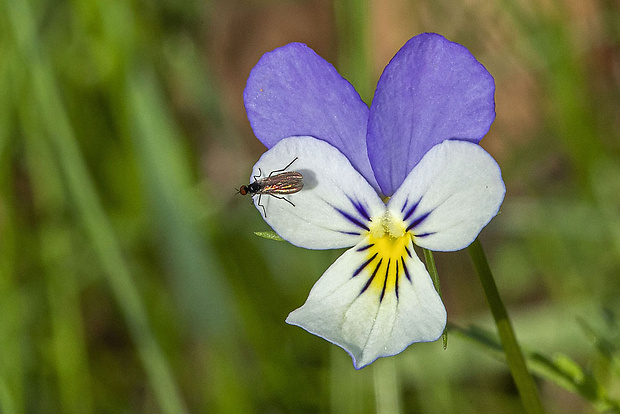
[(283, 198), (275, 196), (259, 174), (262, 206), (282, 169)]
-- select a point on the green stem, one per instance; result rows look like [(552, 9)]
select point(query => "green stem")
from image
[(523, 380), (387, 387)]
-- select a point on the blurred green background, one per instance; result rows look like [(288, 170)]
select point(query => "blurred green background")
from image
[(130, 276)]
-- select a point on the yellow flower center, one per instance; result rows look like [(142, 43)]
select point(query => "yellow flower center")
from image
[(387, 248)]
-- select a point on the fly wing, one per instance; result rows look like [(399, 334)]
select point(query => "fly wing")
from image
[(285, 183)]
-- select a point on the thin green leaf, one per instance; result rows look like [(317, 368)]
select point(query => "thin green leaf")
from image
[(271, 235), (432, 270), (523, 379), (559, 369)]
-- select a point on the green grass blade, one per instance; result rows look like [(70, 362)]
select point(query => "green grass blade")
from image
[(89, 209), (198, 279)]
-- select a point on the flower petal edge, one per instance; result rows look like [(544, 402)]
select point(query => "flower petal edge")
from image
[(450, 196), (354, 310), (432, 90)]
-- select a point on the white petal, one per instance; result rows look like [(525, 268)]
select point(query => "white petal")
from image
[(370, 321), (449, 197), (333, 208)]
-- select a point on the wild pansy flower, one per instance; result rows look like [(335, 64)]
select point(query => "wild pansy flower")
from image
[(378, 180)]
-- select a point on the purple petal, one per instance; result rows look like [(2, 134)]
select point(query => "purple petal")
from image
[(293, 91), (432, 90)]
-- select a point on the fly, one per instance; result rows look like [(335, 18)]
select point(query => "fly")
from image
[(288, 182)]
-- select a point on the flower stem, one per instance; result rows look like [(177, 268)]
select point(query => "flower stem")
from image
[(387, 387), (523, 380)]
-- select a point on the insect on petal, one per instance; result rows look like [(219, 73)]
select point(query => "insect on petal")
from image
[(333, 208)]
